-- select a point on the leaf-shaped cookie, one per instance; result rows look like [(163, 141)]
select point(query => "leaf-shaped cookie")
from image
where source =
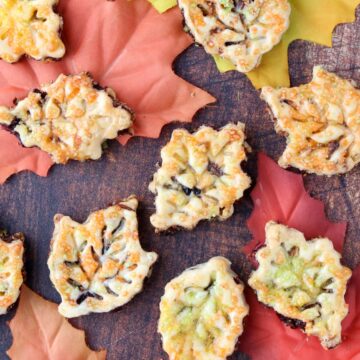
[(99, 265), (280, 195), (40, 332), (320, 120), (309, 20), (70, 119), (266, 337), (302, 280), (132, 54), (31, 28)]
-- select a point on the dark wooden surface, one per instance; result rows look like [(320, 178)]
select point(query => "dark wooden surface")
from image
[(28, 202)]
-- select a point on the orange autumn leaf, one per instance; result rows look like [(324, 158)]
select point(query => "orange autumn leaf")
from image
[(126, 45), (280, 195), (41, 333), (15, 158)]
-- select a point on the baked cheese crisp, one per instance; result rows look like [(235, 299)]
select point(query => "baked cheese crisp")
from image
[(303, 281), (32, 28), (200, 177), (202, 312), (321, 121), (238, 30), (99, 265), (69, 119), (11, 269)]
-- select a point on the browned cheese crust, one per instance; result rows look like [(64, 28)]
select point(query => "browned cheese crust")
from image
[(321, 121), (70, 119)]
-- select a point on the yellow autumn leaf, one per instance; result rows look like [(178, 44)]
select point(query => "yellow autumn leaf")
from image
[(311, 20), (162, 5)]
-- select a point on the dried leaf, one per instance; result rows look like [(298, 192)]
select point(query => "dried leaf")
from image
[(15, 158), (127, 46), (40, 332), (280, 195), (310, 20)]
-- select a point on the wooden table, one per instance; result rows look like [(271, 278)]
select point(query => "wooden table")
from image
[(28, 202)]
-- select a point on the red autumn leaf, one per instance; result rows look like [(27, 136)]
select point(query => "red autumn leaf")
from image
[(280, 195), (127, 46), (41, 333)]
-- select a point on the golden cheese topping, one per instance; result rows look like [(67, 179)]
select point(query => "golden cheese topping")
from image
[(237, 30), (30, 27), (321, 121), (303, 281), (202, 312), (99, 265), (200, 176), (11, 267), (70, 119)]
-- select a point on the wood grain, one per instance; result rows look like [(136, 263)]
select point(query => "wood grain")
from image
[(28, 202)]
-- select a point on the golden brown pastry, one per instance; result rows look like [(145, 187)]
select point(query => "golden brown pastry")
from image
[(11, 269), (303, 281), (32, 28), (200, 177), (70, 119), (321, 122), (99, 265), (202, 312), (237, 30)]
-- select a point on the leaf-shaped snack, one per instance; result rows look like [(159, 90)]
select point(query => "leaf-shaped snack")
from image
[(309, 20), (15, 158), (239, 31), (280, 195), (200, 177), (11, 268), (302, 280), (31, 28), (202, 312), (266, 337), (99, 265), (40, 332), (69, 119), (125, 45), (320, 120)]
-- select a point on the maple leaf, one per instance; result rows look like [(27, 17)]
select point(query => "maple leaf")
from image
[(309, 20), (40, 332), (125, 45), (280, 195)]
